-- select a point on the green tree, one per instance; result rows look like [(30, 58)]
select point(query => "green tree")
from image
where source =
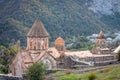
[(16, 46), (36, 71), (5, 57)]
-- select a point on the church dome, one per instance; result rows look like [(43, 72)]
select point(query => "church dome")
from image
[(59, 40)]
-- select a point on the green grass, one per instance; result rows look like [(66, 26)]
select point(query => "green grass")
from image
[(59, 73), (72, 77), (109, 73)]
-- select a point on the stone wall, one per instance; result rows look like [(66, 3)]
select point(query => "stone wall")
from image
[(7, 77)]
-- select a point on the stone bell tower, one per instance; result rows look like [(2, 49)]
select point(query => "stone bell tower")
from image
[(37, 37), (100, 40)]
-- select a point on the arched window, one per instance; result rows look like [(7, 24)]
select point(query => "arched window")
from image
[(38, 45), (35, 46), (30, 45)]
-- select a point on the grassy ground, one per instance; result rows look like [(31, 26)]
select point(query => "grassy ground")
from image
[(109, 73)]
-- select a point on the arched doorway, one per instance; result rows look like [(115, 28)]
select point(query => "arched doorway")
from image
[(47, 63)]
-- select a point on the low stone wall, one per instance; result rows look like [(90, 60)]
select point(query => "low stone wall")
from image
[(7, 77)]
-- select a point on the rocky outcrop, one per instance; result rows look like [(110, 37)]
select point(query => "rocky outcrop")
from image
[(106, 7)]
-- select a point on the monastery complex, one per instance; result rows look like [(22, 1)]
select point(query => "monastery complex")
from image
[(58, 57)]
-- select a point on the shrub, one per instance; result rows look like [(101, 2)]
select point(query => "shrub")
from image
[(4, 69), (68, 72), (106, 69), (91, 76), (36, 71)]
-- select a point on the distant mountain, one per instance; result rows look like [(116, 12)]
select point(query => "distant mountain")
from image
[(108, 12), (66, 18), (107, 7)]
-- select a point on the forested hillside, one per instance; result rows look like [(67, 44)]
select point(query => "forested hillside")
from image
[(66, 18)]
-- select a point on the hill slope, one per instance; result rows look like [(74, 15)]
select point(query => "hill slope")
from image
[(110, 72), (61, 17)]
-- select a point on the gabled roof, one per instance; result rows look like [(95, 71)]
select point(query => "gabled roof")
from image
[(117, 49), (54, 52), (38, 30)]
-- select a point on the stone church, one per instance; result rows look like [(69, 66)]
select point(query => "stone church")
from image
[(37, 50), (57, 57)]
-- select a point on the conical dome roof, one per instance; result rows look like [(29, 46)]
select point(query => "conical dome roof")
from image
[(38, 30), (101, 35), (59, 40)]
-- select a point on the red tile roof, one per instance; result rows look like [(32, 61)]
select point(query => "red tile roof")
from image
[(59, 40)]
